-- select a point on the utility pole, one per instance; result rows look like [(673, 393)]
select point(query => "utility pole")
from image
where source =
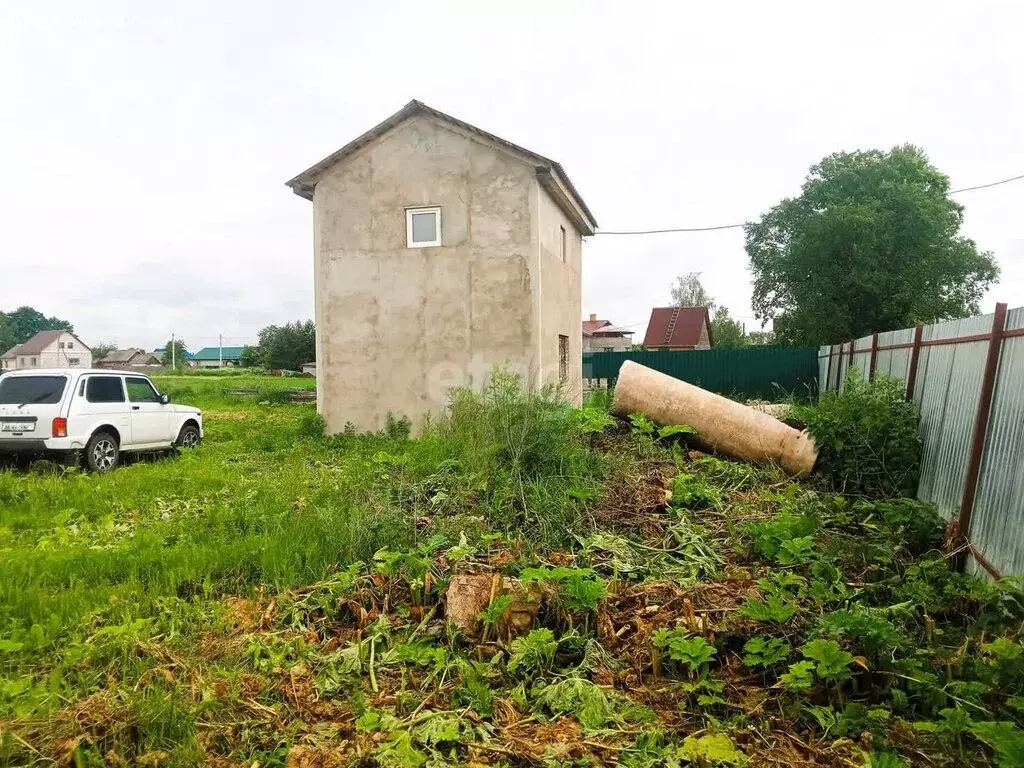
[(220, 354), (174, 355)]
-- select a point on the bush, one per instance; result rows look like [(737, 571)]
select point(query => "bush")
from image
[(867, 437), (312, 425), (530, 453)]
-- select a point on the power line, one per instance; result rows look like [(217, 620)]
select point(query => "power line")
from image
[(986, 186), (739, 226), (677, 229)]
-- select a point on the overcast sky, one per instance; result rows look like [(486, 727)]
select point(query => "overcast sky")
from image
[(145, 146)]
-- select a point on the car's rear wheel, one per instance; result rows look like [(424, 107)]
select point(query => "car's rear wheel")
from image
[(189, 437), (102, 452)]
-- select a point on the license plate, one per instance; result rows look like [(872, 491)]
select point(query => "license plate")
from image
[(17, 426)]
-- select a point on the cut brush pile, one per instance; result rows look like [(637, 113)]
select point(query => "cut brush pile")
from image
[(567, 590)]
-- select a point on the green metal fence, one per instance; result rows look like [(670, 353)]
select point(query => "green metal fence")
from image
[(767, 373)]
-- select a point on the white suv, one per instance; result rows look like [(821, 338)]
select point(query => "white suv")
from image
[(97, 414)]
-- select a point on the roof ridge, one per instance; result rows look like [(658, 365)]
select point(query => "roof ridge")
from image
[(304, 183)]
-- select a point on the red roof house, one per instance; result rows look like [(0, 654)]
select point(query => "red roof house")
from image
[(679, 328)]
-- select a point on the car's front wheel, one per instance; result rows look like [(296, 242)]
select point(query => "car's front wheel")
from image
[(189, 437), (102, 452)]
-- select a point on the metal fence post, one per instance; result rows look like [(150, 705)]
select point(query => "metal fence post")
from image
[(828, 371), (915, 356), (977, 450), (874, 356), (839, 368)]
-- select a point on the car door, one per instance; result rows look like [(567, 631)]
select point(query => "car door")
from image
[(150, 418), (100, 400)]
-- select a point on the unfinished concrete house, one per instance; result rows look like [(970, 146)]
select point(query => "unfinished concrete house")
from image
[(440, 250)]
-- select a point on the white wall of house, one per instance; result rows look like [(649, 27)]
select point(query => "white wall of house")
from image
[(65, 352), (596, 343)]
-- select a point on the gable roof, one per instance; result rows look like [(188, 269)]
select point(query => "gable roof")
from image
[(604, 328), (38, 343), (120, 355), (550, 173), (685, 330), (214, 353)]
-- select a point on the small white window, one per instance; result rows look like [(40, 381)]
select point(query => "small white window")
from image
[(423, 227), (561, 244)]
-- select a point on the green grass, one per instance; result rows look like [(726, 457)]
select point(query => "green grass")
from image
[(263, 504), (239, 510), (276, 591)]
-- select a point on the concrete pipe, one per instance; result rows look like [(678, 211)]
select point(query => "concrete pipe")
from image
[(722, 425)]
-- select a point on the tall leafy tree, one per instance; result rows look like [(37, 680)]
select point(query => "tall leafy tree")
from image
[(179, 356), (727, 333), (761, 338), (287, 346), (101, 350), (688, 291), (23, 323), (872, 243), (250, 356)]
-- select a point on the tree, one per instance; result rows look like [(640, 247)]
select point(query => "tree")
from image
[(871, 244), (250, 356), (22, 324), (761, 338), (287, 346), (178, 358), (688, 292), (727, 333), (101, 350)]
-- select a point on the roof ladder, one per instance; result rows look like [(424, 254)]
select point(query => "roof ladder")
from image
[(671, 325)]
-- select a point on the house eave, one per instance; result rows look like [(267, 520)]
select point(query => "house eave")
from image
[(557, 184)]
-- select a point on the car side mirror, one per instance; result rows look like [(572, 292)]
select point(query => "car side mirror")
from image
[(165, 399)]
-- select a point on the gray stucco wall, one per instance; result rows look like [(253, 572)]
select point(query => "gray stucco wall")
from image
[(561, 294), (397, 326)]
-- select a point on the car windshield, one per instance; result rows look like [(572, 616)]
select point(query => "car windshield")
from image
[(25, 390)]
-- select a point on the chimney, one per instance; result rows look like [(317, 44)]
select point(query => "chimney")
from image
[(593, 317)]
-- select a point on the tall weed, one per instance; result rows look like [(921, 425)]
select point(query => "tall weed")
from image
[(528, 446)]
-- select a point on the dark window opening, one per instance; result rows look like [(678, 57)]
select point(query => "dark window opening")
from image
[(563, 358), (104, 389), (32, 390)]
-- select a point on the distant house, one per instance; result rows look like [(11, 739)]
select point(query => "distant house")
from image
[(48, 349), (602, 335), (679, 328), (218, 357), (160, 352), (309, 368), (128, 358)]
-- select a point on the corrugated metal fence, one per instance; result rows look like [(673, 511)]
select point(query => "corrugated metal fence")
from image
[(750, 372), (967, 378)]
